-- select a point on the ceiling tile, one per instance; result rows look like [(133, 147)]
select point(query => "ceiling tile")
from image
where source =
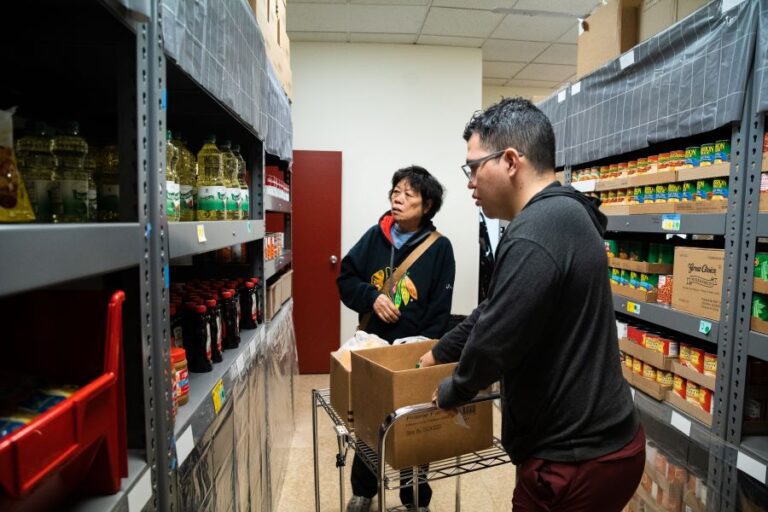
[(473, 4), (318, 37), (571, 35), (317, 18), (368, 37), (558, 54), (400, 19), (297, 2), (494, 81), (577, 7), (390, 2), (460, 22), (516, 51), (532, 83), (532, 28), (469, 42), (553, 72), (501, 69)]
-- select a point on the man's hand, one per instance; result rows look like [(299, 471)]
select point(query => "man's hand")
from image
[(386, 310), (454, 411), (427, 360)]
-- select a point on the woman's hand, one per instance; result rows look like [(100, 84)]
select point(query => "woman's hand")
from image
[(386, 310)]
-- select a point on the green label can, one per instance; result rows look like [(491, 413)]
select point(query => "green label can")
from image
[(759, 306), (761, 265), (649, 282), (611, 248), (688, 192), (703, 190), (616, 275), (692, 156), (661, 193), (674, 192), (653, 252), (639, 195), (624, 280), (707, 154), (634, 279), (649, 194), (720, 189), (722, 151)]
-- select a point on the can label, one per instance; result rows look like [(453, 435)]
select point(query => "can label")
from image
[(703, 190), (674, 192), (649, 194), (692, 156), (720, 189), (661, 193), (722, 151), (707, 154)]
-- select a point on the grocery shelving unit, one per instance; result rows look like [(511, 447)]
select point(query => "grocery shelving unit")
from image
[(649, 96)]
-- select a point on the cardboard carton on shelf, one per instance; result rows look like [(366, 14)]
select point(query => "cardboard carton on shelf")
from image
[(608, 32), (615, 209), (286, 286), (612, 184), (657, 15), (651, 208), (693, 207), (385, 379), (640, 266), (708, 381), (758, 325), (760, 286), (653, 178), (649, 387), (688, 408), (656, 359), (706, 172), (341, 385), (637, 294), (698, 281), (763, 207)]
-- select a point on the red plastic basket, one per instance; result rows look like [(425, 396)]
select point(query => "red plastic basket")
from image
[(79, 445)]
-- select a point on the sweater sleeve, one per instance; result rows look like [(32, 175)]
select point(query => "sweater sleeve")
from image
[(448, 349), (355, 289), (435, 320), (525, 291)]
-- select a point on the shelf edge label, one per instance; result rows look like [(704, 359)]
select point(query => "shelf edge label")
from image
[(201, 233), (750, 466), (219, 396), (670, 222), (680, 423), (633, 307), (705, 327), (561, 96), (576, 88), (185, 443), (627, 59), (139, 496)]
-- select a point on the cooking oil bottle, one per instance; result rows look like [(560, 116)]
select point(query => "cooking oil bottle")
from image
[(93, 162), (108, 184), (245, 196), (172, 194), (211, 189), (185, 170), (232, 203), (70, 150), (38, 167)]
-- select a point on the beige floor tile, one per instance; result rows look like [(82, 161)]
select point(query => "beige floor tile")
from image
[(486, 490)]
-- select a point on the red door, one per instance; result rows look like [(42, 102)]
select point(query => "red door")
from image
[(316, 203)]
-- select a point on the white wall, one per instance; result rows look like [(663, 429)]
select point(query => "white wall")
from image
[(385, 107)]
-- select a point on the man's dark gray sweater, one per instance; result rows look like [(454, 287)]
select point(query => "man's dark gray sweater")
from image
[(548, 331)]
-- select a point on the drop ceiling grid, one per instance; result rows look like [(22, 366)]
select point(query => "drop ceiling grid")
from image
[(533, 60)]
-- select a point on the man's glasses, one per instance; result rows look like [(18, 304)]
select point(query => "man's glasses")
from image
[(470, 168)]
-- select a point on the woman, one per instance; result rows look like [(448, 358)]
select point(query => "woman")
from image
[(418, 304)]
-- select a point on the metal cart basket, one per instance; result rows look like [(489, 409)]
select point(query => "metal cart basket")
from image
[(389, 478)]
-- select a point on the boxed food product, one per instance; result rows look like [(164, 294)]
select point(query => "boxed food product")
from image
[(637, 367), (664, 295), (679, 386), (692, 392), (698, 281), (417, 439), (649, 372), (705, 399), (685, 354), (710, 364), (697, 359), (665, 378)]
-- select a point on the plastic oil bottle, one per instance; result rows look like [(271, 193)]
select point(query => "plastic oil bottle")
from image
[(70, 150), (245, 195), (172, 194), (38, 166), (185, 170), (108, 183), (232, 203), (93, 161), (211, 190)]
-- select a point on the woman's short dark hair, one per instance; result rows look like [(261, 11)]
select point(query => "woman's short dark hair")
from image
[(425, 184)]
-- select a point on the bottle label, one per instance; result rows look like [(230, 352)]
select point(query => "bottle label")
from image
[(173, 199), (92, 204), (254, 309), (220, 336), (246, 200), (39, 196), (208, 341), (187, 197), (233, 199), (74, 195), (211, 199), (109, 198)]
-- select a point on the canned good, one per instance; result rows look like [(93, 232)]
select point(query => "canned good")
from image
[(613, 171), (649, 282), (710, 365), (595, 173), (634, 279), (649, 194), (688, 193), (624, 249), (761, 265), (649, 372), (637, 367), (679, 386), (705, 399), (604, 172), (661, 193), (611, 197), (653, 163), (760, 306), (722, 151), (616, 276), (664, 295), (638, 195), (703, 190), (622, 170), (624, 277), (674, 192), (720, 189), (692, 392), (665, 378), (707, 154), (642, 165), (621, 196), (611, 248), (638, 251), (677, 158), (663, 161), (632, 168), (603, 197), (692, 156)]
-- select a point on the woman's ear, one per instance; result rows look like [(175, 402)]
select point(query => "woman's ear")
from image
[(427, 206)]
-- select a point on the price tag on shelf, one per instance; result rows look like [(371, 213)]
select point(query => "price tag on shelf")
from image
[(219, 395), (184, 446), (561, 96), (201, 233), (633, 307), (627, 59), (249, 227), (680, 423), (750, 466), (240, 364), (670, 222), (705, 327), (139, 496), (252, 347), (575, 88)]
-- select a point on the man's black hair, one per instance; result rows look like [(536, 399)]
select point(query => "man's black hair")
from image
[(425, 184), (515, 123)]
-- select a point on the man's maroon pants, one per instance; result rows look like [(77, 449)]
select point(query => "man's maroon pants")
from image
[(605, 484)]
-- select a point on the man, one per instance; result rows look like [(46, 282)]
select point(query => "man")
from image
[(547, 329)]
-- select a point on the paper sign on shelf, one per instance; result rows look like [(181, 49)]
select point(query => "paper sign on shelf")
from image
[(240, 363), (185, 443), (218, 394), (752, 467), (670, 222), (680, 423), (561, 96), (633, 307), (627, 59), (139, 496), (249, 227), (201, 233), (575, 88)]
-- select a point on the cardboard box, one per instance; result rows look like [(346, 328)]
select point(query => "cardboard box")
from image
[(637, 294), (687, 373), (656, 359), (649, 387), (758, 325), (641, 266), (286, 286), (698, 281), (653, 178), (655, 16), (763, 202), (760, 286), (385, 379), (273, 297), (688, 408), (607, 33), (706, 172), (341, 385)]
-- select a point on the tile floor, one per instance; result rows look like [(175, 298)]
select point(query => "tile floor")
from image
[(487, 490)]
